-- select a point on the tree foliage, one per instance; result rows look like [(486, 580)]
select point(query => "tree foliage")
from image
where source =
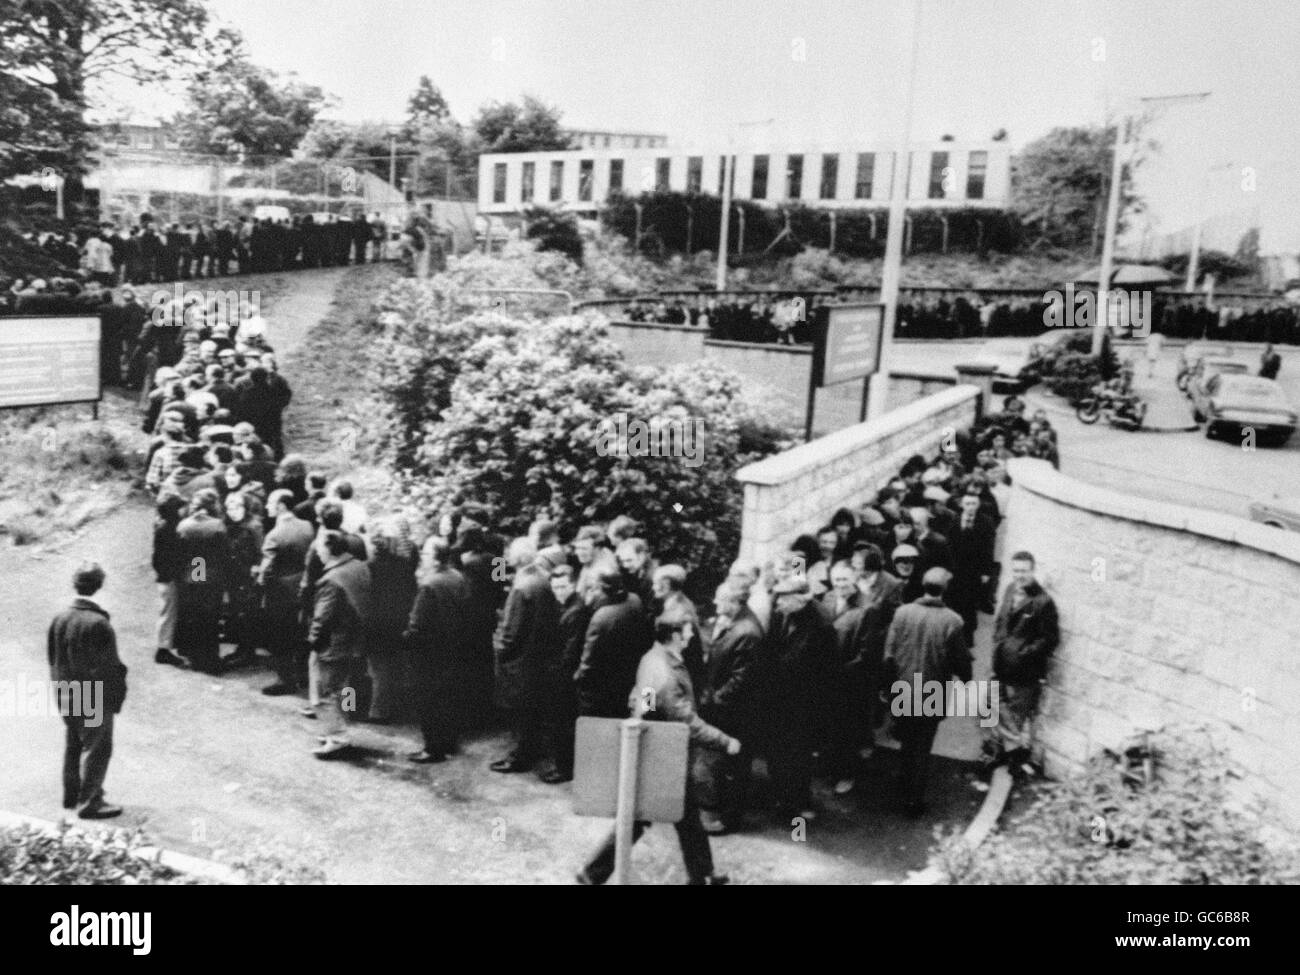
[(426, 103), (247, 110), (555, 230), (527, 126)]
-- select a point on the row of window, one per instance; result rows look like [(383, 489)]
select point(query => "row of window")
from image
[(941, 180)]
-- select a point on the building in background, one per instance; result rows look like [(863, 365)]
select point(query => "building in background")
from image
[(603, 139), (952, 174)]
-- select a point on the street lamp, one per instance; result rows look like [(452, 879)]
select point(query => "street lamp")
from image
[(1194, 260), (1112, 209), (728, 177), (891, 273)]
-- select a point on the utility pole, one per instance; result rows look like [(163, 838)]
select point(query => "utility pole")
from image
[(720, 279), (1193, 262), (891, 274)]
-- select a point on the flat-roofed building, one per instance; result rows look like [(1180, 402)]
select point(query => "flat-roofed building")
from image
[(942, 174), (606, 139)]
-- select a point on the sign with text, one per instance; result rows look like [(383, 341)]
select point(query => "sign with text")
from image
[(661, 772), (47, 360), (849, 347)]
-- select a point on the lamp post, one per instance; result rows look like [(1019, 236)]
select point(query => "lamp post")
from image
[(1112, 210), (728, 177), (891, 273), (1194, 259), (690, 227)]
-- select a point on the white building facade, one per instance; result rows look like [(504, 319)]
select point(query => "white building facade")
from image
[(942, 174)]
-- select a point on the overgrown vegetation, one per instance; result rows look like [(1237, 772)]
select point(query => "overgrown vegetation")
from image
[(76, 856), (1161, 811)]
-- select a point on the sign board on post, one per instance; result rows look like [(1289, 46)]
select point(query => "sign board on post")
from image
[(48, 360), (661, 775), (846, 346)]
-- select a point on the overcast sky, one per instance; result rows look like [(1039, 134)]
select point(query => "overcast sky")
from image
[(834, 70)]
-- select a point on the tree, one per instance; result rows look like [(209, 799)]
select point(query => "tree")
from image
[(56, 50), (1060, 182), (555, 231), (248, 110), (427, 104), (532, 126)]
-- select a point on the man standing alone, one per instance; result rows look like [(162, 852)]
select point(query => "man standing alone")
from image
[(82, 650)]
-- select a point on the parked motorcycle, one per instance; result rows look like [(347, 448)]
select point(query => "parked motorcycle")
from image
[(1126, 411)]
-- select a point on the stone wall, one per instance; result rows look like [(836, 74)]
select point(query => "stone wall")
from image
[(653, 344), (796, 491), (1170, 616)]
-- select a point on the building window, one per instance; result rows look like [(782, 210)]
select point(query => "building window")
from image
[(979, 167), (938, 164), (793, 177), (606, 142), (662, 166), (830, 175), (499, 183), (557, 179), (758, 187), (694, 174), (616, 175), (586, 171), (527, 182), (866, 175)]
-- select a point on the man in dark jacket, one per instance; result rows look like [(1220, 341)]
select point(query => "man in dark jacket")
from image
[(925, 647), (90, 682), (803, 664), (1025, 635), (731, 702), (284, 556), (663, 692), (339, 628), (616, 638), (527, 648), (972, 554), (259, 404), (563, 710), (438, 642)]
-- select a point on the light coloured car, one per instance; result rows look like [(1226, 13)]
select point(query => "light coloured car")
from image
[(1205, 369), (1233, 401), (1013, 359), (1277, 512), (1190, 353)]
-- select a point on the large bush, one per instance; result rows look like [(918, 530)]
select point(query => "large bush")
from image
[(522, 432), (1159, 812)]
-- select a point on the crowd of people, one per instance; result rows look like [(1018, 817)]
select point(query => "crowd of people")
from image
[(262, 561), (929, 314)]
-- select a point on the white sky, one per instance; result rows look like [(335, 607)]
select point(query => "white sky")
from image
[(694, 68)]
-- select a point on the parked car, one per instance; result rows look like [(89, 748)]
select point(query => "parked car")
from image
[(1278, 512), (1234, 401), (1205, 369), (1190, 353), (1017, 362), (272, 212)]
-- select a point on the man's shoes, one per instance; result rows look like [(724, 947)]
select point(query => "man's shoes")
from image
[(423, 757), (554, 776), (308, 711), (584, 878), (240, 658), (508, 766), (100, 810), (712, 880), (330, 748), (844, 786), (70, 803), (278, 689), (164, 656)]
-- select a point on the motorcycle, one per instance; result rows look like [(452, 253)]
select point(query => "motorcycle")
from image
[(1125, 411)]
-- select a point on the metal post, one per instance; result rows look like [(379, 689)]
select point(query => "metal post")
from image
[(720, 281), (690, 228), (1108, 235), (221, 200), (740, 238), (637, 236), (392, 161), (629, 767), (892, 271), (831, 249)]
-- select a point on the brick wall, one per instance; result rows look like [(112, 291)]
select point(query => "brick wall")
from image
[(1170, 616), (797, 491)]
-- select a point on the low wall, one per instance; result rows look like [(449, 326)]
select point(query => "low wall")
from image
[(1169, 616), (796, 491), (655, 344)]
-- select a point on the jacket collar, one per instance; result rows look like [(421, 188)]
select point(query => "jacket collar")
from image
[(86, 603), (930, 601)]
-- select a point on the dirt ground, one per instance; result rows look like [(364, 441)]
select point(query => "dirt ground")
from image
[(210, 766)]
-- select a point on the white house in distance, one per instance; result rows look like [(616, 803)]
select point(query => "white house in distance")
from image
[(943, 174)]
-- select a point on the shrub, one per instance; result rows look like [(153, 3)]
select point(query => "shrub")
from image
[(75, 856), (554, 230), (522, 430), (1161, 812)]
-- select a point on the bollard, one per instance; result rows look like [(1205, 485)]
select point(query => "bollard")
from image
[(629, 766)]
